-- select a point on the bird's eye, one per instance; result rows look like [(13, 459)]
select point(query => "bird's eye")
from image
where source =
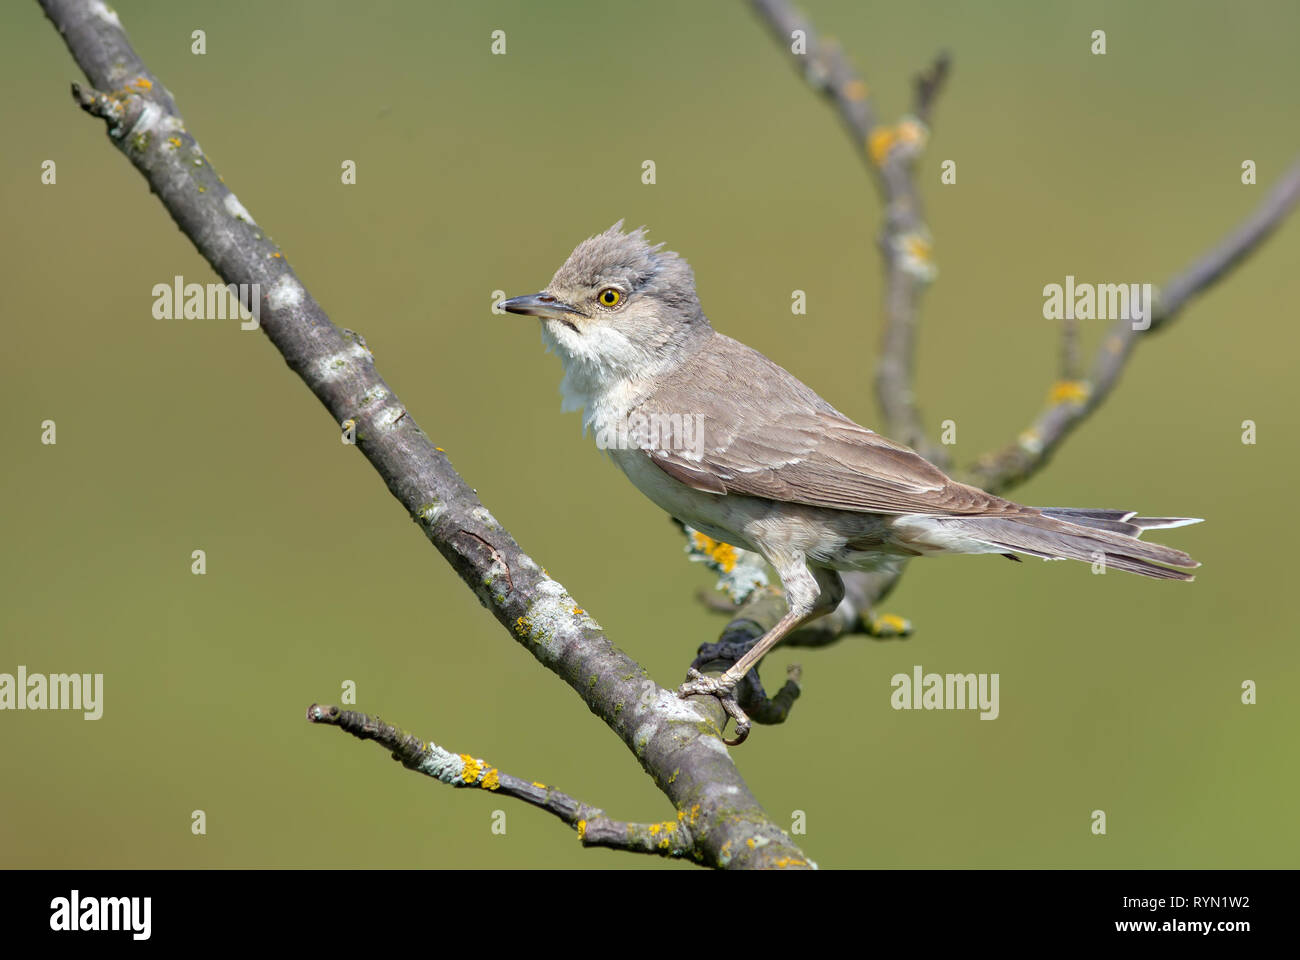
[(609, 297)]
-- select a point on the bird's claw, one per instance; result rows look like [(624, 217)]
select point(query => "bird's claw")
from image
[(698, 685)]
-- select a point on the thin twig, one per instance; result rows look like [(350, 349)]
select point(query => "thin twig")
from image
[(667, 839), (929, 83), (905, 244), (1033, 448)]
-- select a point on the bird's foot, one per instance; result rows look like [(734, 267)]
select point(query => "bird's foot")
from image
[(724, 688)]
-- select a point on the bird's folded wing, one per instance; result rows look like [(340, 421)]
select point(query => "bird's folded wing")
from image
[(778, 440), (824, 462)]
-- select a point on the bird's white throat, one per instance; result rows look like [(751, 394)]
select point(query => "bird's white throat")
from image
[(605, 373)]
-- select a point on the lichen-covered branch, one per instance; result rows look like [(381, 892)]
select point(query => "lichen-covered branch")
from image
[(1071, 402), (671, 838), (676, 741), (905, 243)]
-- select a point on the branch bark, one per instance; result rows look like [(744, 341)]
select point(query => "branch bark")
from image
[(671, 838), (677, 742)]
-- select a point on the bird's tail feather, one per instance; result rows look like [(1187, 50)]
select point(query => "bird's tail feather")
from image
[(1117, 521), (1110, 536)]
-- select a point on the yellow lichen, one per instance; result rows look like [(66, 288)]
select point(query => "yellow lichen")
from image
[(491, 779), (890, 621), (523, 627), (911, 132), (883, 138), (879, 142), (582, 829), (1074, 392), (855, 90), (667, 828), (723, 554), (918, 246), (472, 768)]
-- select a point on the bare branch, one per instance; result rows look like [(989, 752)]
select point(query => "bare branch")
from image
[(668, 839), (1070, 403), (929, 84), (824, 66), (1071, 362), (676, 741), (905, 244)]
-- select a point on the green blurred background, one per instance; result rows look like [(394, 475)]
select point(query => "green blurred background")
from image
[(479, 173)]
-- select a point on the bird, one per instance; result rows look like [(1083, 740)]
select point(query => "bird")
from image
[(726, 441)]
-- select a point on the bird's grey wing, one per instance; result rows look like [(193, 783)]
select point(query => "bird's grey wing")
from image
[(765, 434)]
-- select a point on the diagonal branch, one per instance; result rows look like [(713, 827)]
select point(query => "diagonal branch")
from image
[(1033, 448), (676, 741), (667, 839)]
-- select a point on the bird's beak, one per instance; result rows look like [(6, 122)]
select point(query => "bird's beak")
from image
[(540, 305)]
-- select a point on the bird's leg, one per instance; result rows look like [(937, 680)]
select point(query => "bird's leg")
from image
[(809, 594)]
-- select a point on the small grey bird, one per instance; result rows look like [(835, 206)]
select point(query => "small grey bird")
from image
[(726, 441)]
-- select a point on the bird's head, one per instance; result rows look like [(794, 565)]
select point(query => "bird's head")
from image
[(618, 308)]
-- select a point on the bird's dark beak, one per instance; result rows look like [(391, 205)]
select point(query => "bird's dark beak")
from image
[(540, 305)]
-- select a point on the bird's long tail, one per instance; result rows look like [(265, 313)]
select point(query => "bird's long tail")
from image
[(1108, 536)]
